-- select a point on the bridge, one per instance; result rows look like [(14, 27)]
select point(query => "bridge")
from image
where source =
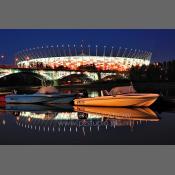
[(51, 74)]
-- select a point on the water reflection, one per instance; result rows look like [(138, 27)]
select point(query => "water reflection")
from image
[(78, 118)]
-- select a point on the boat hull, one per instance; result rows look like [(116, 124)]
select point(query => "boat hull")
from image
[(62, 99), (40, 98), (26, 99), (135, 100)]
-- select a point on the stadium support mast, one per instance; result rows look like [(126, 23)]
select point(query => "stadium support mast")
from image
[(104, 50), (149, 56), (111, 51), (141, 55), (19, 55), (37, 53), (137, 54), (129, 53), (89, 46), (75, 49), (82, 50), (63, 50), (69, 50), (30, 53), (118, 53), (134, 53), (52, 50), (96, 50), (124, 52)]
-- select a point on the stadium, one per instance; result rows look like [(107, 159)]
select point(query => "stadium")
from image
[(106, 58)]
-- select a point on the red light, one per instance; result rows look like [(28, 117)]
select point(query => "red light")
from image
[(27, 58)]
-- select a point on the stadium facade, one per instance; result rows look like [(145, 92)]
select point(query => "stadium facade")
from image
[(103, 58)]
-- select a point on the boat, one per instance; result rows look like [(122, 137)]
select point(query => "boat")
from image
[(27, 98), (120, 97), (47, 94), (62, 99), (141, 114), (135, 100)]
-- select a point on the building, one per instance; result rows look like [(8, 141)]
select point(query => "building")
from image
[(73, 58)]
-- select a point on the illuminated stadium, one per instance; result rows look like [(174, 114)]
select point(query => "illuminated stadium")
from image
[(74, 57)]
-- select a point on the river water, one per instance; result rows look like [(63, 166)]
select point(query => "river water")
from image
[(67, 124)]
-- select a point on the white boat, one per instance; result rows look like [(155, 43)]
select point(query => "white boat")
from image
[(120, 97), (27, 98), (62, 99), (44, 95)]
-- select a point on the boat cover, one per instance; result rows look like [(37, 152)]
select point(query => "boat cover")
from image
[(47, 90), (120, 90)]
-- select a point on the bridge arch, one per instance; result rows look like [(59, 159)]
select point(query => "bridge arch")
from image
[(75, 79), (22, 78)]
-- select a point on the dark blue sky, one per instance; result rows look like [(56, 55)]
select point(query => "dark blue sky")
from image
[(160, 42)]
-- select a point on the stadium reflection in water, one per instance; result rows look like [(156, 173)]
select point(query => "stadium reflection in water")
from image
[(70, 125), (83, 117)]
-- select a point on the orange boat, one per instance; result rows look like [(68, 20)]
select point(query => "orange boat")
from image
[(124, 96), (125, 100)]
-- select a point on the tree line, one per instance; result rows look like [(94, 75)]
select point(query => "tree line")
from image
[(159, 71)]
